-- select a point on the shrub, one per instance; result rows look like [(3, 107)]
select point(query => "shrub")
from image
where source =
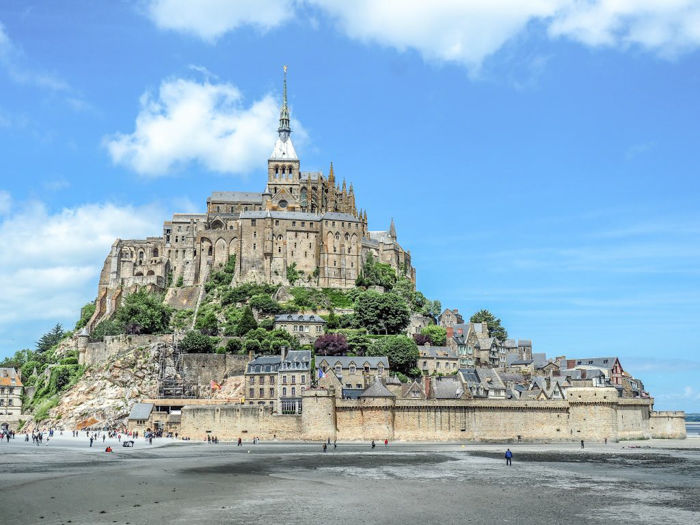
[(180, 282), (247, 322), (207, 323), (234, 346), (382, 313), (144, 313), (331, 344), (265, 304), (242, 293), (106, 327), (293, 275), (421, 339), (86, 312), (251, 345), (436, 334), (196, 342)]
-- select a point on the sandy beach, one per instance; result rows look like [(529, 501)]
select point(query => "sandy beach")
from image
[(175, 482)]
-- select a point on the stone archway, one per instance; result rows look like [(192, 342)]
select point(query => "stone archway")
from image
[(220, 253)]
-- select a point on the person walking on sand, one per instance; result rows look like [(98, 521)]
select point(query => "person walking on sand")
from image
[(386, 442), (335, 444), (509, 458), (373, 445), (582, 444), (240, 442), (91, 440), (325, 446)]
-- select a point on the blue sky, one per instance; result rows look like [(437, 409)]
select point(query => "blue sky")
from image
[(540, 159)]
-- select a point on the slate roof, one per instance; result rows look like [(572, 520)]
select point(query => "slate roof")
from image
[(267, 364), (489, 378), (313, 175), (447, 388), (345, 361), (486, 343), (540, 359), (524, 342), (469, 376), (299, 318), (440, 352), (284, 150), (377, 389), (352, 393), (335, 216), (598, 362), (141, 411), (510, 343), (297, 360), (522, 362), (236, 197)]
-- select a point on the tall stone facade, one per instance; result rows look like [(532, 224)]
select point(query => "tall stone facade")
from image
[(303, 221)]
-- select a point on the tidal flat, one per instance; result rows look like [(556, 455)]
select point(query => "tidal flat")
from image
[(67, 482)]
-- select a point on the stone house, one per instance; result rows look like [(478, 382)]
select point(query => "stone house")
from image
[(261, 378), (10, 394), (294, 379), (450, 318), (610, 366), (525, 349), (305, 327), (489, 353), (434, 360), (464, 338), (483, 383), (354, 372)]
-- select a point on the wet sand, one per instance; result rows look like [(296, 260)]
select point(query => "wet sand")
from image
[(186, 483)]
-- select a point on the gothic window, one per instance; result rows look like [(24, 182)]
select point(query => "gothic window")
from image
[(304, 197), (211, 251), (347, 237), (337, 236), (140, 256), (155, 252)]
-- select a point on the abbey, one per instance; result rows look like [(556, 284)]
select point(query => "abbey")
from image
[(304, 225)]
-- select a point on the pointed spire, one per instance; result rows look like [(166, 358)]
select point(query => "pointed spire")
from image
[(331, 176), (284, 129), (392, 230)]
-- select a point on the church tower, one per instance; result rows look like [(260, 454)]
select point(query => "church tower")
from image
[(283, 164)]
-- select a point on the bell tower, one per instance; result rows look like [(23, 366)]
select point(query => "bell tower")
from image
[(283, 164)]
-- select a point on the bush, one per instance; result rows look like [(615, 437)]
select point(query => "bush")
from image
[(242, 293), (181, 319), (234, 346), (196, 342), (251, 345), (180, 282), (144, 313), (106, 327), (376, 274), (86, 312), (42, 411), (331, 344), (436, 334), (293, 275), (69, 361), (421, 339), (207, 323), (265, 304), (221, 350)]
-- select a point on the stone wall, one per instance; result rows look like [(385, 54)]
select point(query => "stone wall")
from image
[(590, 414), (667, 425), (203, 368), (234, 421), (99, 353)]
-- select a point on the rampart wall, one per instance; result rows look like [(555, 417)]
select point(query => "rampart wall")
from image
[(588, 414), (203, 368), (99, 353)]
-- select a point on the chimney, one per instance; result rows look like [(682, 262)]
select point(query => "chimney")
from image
[(426, 386), (455, 311), (250, 355), (283, 352)]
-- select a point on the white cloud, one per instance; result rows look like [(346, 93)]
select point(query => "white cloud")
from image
[(209, 19), (462, 31), (206, 123), (5, 202), (50, 262)]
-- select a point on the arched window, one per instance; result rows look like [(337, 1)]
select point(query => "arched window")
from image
[(155, 252), (211, 251), (304, 197), (140, 256), (337, 236), (347, 236)]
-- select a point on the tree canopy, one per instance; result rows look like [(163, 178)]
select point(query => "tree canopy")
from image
[(247, 322), (494, 324), (195, 342), (401, 351), (436, 334), (144, 313), (382, 313), (376, 274), (331, 344), (50, 338)]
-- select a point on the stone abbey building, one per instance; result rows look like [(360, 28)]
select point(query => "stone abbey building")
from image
[(302, 220)]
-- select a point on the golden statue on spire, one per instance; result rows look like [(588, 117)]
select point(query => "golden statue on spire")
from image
[(285, 68)]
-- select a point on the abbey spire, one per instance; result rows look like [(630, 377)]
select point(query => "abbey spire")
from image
[(284, 149)]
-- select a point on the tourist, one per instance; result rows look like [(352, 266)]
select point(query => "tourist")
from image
[(386, 442), (373, 445), (509, 458), (91, 440), (240, 442), (582, 444), (108, 449), (335, 444), (325, 446), (103, 438)]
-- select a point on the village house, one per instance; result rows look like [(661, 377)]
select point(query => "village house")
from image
[(610, 366), (434, 360), (483, 383), (450, 318), (10, 393), (294, 378), (354, 372), (305, 327), (261, 380)]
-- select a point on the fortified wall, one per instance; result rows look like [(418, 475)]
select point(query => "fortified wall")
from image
[(588, 414)]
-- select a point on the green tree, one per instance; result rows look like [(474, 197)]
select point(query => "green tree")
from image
[(494, 324), (376, 274), (195, 342), (234, 346), (106, 327), (293, 275), (437, 334), (207, 323), (432, 309), (85, 315), (252, 345), (144, 313), (382, 313), (18, 359), (247, 322), (49, 339), (265, 304), (401, 351)]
